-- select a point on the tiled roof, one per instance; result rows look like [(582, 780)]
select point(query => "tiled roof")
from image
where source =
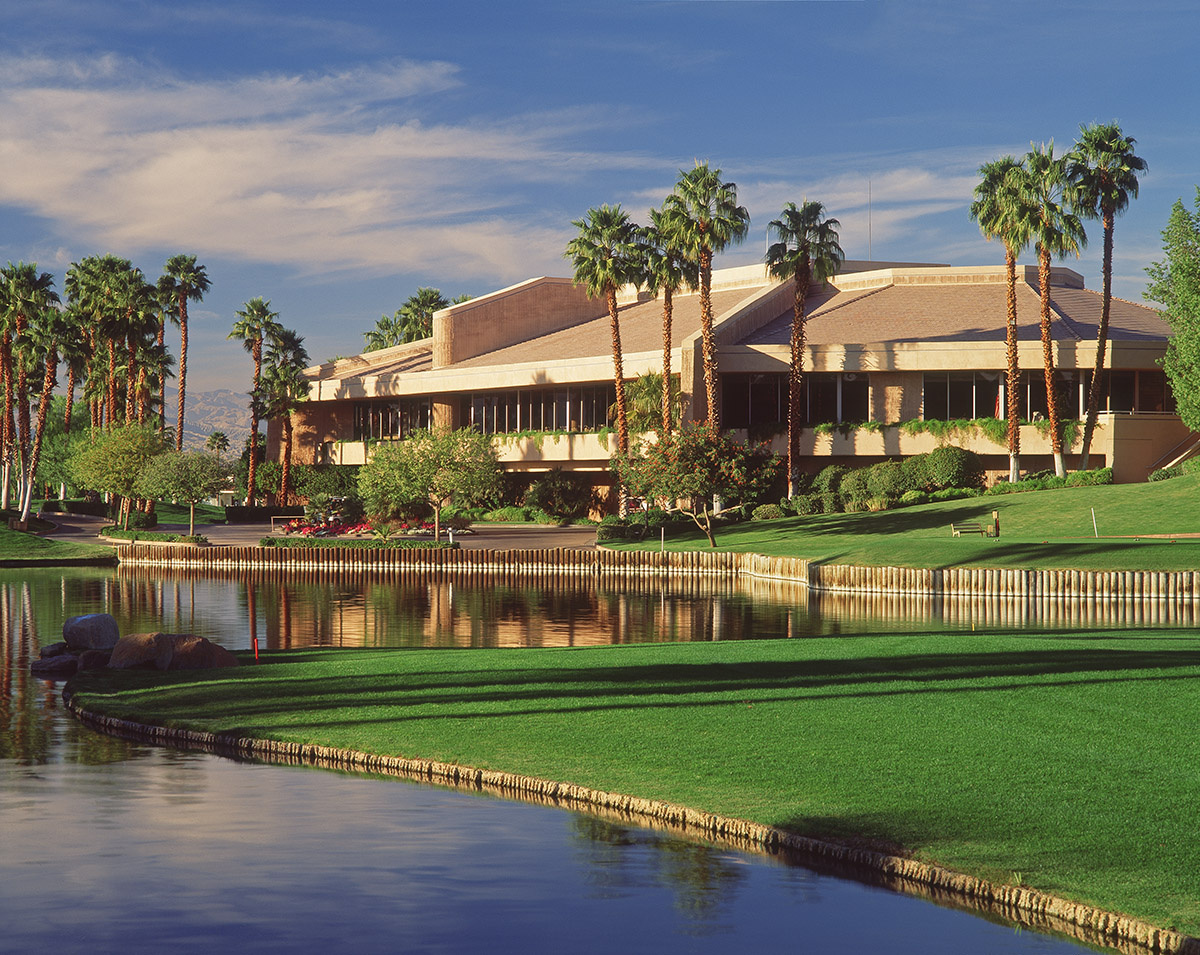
[(957, 313), (641, 331)]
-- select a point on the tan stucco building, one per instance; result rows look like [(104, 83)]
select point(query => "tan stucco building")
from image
[(887, 344)]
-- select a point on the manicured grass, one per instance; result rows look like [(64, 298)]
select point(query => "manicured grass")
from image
[(1066, 761), (169, 513), (1038, 529), (27, 548)]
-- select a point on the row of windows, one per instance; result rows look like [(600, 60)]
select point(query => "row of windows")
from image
[(749, 400)]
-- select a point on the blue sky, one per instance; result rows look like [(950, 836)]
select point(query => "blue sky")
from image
[(334, 157)]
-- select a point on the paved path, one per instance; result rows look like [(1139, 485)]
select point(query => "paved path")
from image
[(78, 527)]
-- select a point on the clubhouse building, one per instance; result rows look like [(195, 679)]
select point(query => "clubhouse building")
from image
[(894, 352)]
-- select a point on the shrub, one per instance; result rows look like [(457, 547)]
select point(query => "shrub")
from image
[(829, 479), (888, 480), (854, 487), (1090, 478), (767, 512), (1190, 466), (562, 495), (803, 505), (509, 515), (953, 494), (916, 470), (913, 497), (830, 502), (954, 467), (1163, 474)]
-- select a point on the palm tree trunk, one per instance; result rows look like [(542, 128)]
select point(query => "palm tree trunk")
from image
[(130, 391), (610, 296), (256, 351), (6, 427), (1048, 364), (162, 382), (43, 413), (1099, 372), (183, 343), (708, 342), (1013, 380), (666, 368), (795, 382), (285, 477), (70, 400)]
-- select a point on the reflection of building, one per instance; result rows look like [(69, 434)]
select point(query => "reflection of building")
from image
[(887, 344)]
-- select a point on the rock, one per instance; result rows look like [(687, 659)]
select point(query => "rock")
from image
[(53, 650), (92, 631), (94, 659), (199, 653), (142, 650), (62, 665)]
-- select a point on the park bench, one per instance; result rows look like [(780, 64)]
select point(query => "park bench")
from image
[(968, 527)]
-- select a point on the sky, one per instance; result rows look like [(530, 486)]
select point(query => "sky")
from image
[(334, 157)]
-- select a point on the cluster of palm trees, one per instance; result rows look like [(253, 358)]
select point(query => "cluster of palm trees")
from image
[(700, 218), (278, 386), (109, 333), (412, 321), (1043, 199)]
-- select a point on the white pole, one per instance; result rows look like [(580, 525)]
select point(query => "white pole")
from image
[(1094, 530)]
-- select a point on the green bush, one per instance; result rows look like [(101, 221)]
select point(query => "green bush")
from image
[(767, 512), (913, 497), (510, 515), (831, 503), (330, 480), (916, 470), (117, 533), (854, 487), (954, 467), (1163, 474), (1090, 478), (1190, 466), (954, 494), (888, 480), (562, 495), (829, 479), (802, 505)]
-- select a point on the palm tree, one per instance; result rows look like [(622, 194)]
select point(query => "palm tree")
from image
[(1057, 231), (45, 328), (708, 219), (999, 208), (667, 270), (76, 351), (1103, 172), (416, 314), (387, 333), (217, 443), (281, 390), (806, 250), (256, 323), (189, 282), (606, 257)]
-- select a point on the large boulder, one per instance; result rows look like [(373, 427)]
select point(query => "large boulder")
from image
[(62, 665), (92, 631), (94, 659), (151, 650), (199, 653)]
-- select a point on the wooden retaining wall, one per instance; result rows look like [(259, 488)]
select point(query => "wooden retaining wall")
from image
[(1173, 588)]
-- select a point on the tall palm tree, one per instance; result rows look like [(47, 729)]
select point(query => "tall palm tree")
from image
[(76, 351), (1103, 172), (281, 391), (189, 282), (708, 219), (387, 333), (606, 257), (667, 270), (1056, 231), (255, 324), (1000, 209), (806, 250), (47, 325)]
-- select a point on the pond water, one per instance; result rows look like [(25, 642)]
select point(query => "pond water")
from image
[(114, 846)]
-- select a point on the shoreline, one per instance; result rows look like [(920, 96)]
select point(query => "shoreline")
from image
[(1024, 906)]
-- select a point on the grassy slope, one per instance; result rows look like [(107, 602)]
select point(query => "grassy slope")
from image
[(15, 545), (1038, 529), (1066, 761)]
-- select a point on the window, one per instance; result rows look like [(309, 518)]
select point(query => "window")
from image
[(583, 408), (374, 420), (962, 394)]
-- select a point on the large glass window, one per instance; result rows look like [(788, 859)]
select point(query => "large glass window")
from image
[(582, 408), (375, 420), (962, 394), (758, 400)]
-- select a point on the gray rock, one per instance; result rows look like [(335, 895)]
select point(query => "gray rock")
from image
[(53, 650), (199, 653), (94, 659), (92, 631), (62, 665)]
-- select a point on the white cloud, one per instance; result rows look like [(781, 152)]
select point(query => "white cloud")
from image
[(320, 172)]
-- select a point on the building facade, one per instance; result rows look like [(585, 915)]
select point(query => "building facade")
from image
[(899, 359)]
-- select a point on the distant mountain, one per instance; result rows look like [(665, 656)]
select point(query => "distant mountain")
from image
[(207, 411)]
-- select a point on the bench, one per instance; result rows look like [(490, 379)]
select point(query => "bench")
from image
[(968, 527)]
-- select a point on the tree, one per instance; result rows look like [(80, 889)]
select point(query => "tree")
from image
[(1056, 231), (429, 467), (217, 443), (667, 269), (113, 461), (693, 465), (1103, 172), (1001, 210), (281, 391), (185, 477), (705, 212), (255, 324), (643, 403), (42, 336), (1175, 284), (606, 257), (188, 282), (806, 250), (411, 322)]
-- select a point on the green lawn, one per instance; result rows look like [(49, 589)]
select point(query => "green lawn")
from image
[(1038, 529), (1066, 761), (29, 547)]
